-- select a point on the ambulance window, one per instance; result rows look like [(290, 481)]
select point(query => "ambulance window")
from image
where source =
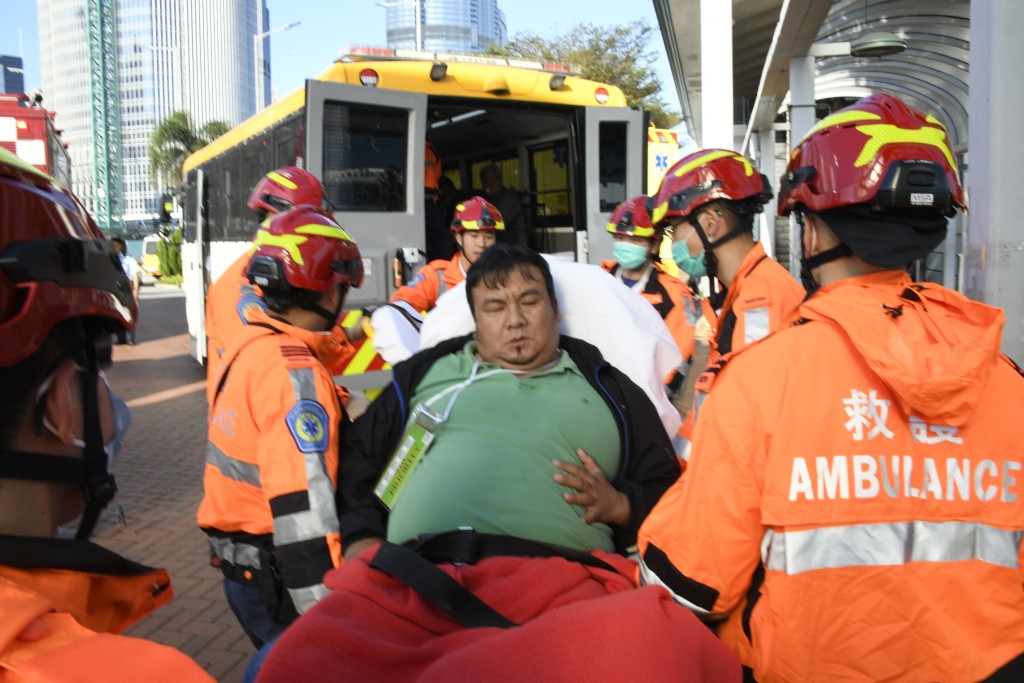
[(365, 157), (612, 164), (550, 169)]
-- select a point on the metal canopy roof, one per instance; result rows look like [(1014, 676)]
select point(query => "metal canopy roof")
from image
[(932, 73)]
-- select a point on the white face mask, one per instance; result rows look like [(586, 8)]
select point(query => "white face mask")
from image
[(122, 415)]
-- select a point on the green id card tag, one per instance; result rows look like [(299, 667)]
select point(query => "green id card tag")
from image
[(417, 438)]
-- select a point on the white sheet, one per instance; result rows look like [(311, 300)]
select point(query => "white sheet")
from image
[(599, 309)]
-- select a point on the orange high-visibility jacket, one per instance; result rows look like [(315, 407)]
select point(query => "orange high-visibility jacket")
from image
[(673, 300), (272, 458), (59, 624), (228, 301), (854, 501), (432, 280), (760, 300)]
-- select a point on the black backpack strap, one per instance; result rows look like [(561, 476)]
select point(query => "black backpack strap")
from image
[(436, 587)]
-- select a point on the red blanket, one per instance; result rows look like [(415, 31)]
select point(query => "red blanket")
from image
[(577, 624)]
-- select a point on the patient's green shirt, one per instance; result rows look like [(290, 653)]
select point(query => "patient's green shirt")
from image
[(489, 466)]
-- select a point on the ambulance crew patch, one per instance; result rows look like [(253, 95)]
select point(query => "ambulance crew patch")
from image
[(247, 304), (307, 421)]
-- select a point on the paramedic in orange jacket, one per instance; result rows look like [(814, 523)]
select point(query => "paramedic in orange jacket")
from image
[(854, 503), (231, 297), (272, 460), (474, 227), (62, 295), (710, 198), (636, 265)]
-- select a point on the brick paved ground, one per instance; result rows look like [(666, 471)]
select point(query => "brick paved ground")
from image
[(159, 477)]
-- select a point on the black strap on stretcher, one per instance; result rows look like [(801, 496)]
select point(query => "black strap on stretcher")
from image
[(437, 587), (414, 565)]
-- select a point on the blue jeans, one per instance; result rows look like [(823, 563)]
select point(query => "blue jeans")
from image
[(256, 663), (251, 611)]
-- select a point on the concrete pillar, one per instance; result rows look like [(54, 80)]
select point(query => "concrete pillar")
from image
[(716, 99), (801, 119), (995, 232), (766, 162)]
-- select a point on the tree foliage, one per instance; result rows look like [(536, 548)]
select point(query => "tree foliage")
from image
[(174, 139), (168, 251), (619, 55)]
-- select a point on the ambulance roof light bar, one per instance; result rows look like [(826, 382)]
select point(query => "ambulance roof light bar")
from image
[(365, 54)]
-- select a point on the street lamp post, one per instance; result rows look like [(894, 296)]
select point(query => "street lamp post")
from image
[(416, 5), (257, 61)]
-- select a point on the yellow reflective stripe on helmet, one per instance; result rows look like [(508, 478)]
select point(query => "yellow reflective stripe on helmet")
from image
[(711, 156), (838, 119), (324, 231), (470, 225), (658, 213), (460, 207), (288, 242), (499, 225), (880, 134), (278, 178)]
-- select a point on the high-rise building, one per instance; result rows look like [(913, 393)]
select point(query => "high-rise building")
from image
[(446, 25), (196, 55), (12, 74)]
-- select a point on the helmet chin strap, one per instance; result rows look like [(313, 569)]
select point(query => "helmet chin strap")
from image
[(330, 317), (807, 265), (98, 485), (718, 289)]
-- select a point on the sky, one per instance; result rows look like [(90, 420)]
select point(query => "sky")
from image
[(329, 26)]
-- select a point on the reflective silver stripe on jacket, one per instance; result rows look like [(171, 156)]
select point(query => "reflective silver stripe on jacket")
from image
[(232, 468), (306, 597), (441, 284), (872, 545), (238, 554), (681, 446), (693, 311), (756, 324), (322, 517), (649, 578)]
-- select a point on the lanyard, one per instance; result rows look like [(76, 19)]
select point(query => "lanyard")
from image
[(475, 376)]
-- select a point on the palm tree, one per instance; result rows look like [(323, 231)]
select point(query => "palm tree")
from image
[(174, 139)]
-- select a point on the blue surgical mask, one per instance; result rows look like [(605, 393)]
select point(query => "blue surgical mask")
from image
[(692, 265), (630, 256), (122, 415)]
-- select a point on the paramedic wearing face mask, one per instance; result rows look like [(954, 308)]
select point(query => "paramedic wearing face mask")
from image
[(62, 294)]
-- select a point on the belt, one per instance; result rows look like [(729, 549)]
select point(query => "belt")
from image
[(466, 546), (415, 565)]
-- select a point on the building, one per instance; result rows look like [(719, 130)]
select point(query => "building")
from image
[(196, 55), (446, 25), (12, 74)]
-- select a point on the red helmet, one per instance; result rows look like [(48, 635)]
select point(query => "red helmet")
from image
[(54, 263), (878, 152), (431, 167), (284, 188), (304, 248), (476, 213), (706, 176), (631, 218)]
